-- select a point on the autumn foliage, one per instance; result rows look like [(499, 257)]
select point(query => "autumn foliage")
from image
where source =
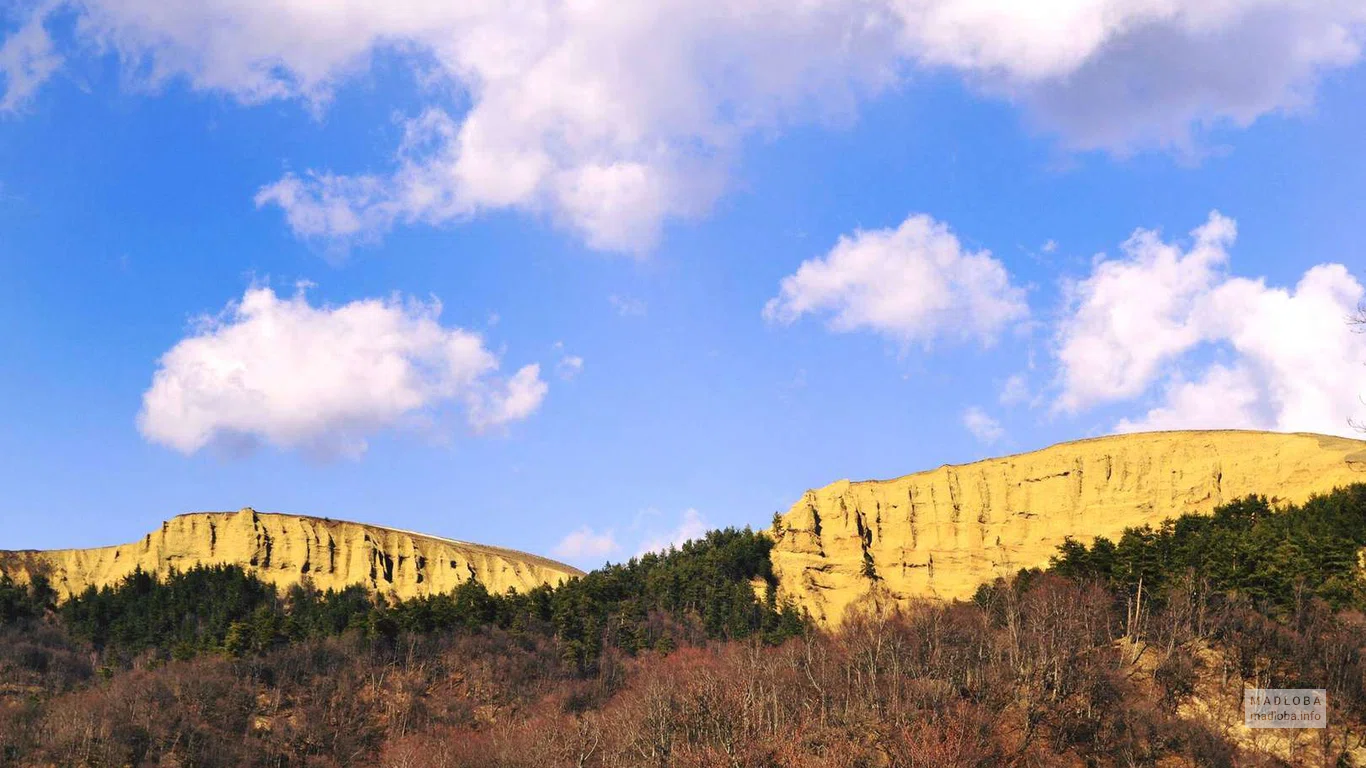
[(1046, 669)]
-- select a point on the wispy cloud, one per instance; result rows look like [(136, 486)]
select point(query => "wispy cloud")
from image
[(587, 544), (569, 366), (627, 307), (982, 426), (691, 526)]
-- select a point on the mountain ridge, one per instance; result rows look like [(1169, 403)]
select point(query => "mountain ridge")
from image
[(938, 533), (942, 532), (1355, 459), (283, 549)]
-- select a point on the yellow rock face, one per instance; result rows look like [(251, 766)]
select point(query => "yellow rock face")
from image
[(284, 549), (942, 533)]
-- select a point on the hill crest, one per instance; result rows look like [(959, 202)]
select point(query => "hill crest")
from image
[(941, 533), (283, 549)]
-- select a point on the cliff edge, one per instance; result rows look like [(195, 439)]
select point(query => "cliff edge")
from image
[(942, 533), (284, 549)]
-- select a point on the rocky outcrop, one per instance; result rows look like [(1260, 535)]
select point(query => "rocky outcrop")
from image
[(942, 533), (285, 549)]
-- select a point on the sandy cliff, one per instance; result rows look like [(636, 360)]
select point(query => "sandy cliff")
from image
[(283, 549), (942, 533)]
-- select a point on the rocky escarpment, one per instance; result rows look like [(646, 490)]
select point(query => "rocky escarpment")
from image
[(285, 549), (942, 533)]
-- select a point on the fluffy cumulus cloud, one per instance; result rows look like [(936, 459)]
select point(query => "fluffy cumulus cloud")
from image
[(611, 118), (1153, 70), (1135, 313), (912, 283), (282, 371), (1220, 350), (608, 118), (1222, 398)]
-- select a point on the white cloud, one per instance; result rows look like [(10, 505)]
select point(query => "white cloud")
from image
[(322, 379), (585, 544), (692, 526), (1015, 390), (1223, 398), (983, 427), (1297, 344), (626, 306), (1166, 68), (569, 366), (513, 400), (556, 124), (27, 59), (611, 118), (912, 283), (1133, 314), (1283, 359)]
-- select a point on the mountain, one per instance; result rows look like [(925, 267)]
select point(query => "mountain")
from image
[(284, 549), (944, 532), (940, 533)]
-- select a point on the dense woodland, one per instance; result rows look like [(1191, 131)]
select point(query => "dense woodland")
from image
[(705, 590), (1120, 653)]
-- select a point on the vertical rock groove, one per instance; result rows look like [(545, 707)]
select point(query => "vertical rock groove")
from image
[(1010, 513), (279, 549)]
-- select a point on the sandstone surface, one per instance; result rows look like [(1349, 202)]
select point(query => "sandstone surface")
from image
[(942, 533), (284, 549)]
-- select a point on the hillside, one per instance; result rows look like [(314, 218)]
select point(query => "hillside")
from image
[(671, 661), (284, 549), (944, 532)]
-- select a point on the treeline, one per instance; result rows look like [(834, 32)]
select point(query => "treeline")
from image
[(1045, 674), (704, 590), (677, 660), (20, 602), (1276, 557), (941, 685)]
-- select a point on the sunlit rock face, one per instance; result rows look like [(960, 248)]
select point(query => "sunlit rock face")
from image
[(942, 533), (285, 549)]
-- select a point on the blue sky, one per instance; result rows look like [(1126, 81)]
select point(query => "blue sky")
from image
[(935, 205)]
